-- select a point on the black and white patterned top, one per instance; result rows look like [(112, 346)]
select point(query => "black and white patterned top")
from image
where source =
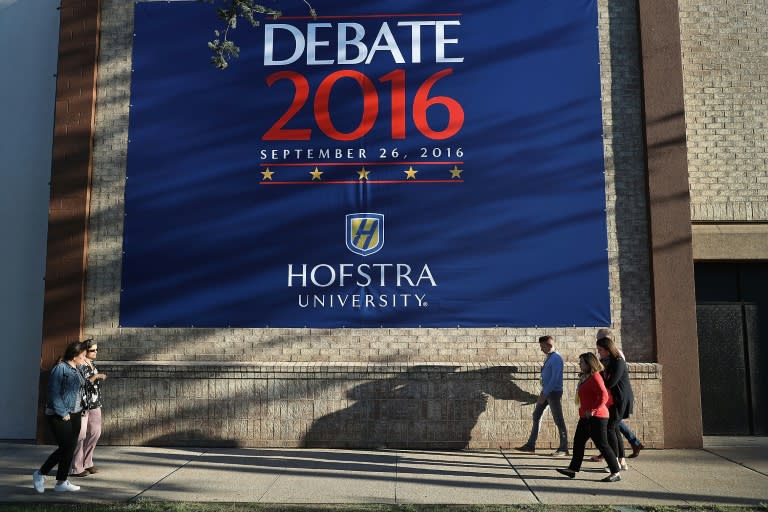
[(91, 394)]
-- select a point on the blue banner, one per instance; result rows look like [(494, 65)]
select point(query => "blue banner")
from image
[(396, 164)]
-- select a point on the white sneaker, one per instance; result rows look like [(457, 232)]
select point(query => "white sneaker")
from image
[(38, 481), (66, 486), (623, 466)]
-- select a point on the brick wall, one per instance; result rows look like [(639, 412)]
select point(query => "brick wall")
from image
[(313, 354), (71, 166), (725, 72), (345, 405)]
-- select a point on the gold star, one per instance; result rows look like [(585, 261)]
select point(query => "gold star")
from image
[(316, 174), (267, 175), (456, 173), (410, 173), (363, 174)]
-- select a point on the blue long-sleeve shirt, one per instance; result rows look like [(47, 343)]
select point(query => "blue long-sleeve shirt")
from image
[(552, 374)]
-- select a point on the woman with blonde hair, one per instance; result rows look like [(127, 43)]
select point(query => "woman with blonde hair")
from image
[(593, 419)]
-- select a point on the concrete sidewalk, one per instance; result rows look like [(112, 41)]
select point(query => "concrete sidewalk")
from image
[(728, 471)]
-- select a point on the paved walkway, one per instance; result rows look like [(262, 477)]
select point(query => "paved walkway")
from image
[(728, 471)]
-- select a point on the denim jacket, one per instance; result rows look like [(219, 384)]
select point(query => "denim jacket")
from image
[(65, 390)]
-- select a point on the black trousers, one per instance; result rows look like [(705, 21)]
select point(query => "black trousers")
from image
[(614, 433), (65, 433), (597, 430)]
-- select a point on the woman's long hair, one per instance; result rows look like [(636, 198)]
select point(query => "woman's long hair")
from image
[(72, 351), (609, 345), (591, 360)]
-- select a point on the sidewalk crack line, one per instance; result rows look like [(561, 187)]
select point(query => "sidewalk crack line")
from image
[(137, 497), (520, 476), (735, 462)]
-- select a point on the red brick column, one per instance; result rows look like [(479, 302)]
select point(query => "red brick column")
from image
[(677, 346), (70, 181)]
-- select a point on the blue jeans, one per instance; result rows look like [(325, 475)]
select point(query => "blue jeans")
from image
[(626, 432), (553, 401)]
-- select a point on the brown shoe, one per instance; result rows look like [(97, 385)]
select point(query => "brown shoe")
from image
[(636, 450), (83, 473), (92, 469)]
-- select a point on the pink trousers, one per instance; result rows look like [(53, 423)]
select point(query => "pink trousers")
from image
[(90, 432)]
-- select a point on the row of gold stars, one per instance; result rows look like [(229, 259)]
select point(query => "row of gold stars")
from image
[(363, 174)]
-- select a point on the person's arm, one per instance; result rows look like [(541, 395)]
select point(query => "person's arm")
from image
[(616, 372), (553, 368), (604, 395), (55, 391), (598, 395), (90, 373), (587, 395)]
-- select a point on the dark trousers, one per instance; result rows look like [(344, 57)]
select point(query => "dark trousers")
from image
[(65, 433), (597, 430), (614, 432)]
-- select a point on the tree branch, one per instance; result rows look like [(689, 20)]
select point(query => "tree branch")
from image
[(223, 48)]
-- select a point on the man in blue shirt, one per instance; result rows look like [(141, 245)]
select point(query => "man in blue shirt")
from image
[(551, 395)]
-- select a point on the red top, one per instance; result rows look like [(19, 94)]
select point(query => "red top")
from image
[(594, 397)]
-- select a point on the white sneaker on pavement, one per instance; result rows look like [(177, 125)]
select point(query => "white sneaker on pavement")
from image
[(66, 486), (38, 481), (623, 466)]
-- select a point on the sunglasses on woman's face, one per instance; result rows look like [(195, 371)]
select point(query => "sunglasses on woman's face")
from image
[(93, 350)]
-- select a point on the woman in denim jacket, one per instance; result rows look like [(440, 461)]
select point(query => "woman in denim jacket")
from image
[(63, 412)]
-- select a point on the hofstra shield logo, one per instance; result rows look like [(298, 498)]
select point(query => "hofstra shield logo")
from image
[(365, 233)]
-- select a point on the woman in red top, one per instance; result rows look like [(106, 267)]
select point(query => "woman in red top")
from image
[(593, 419)]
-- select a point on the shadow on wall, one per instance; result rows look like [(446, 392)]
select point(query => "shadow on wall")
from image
[(425, 407)]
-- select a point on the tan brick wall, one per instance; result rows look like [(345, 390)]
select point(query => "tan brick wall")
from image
[(475, 406), (725, 72), (321, 350), (71, 166), (70, 171)]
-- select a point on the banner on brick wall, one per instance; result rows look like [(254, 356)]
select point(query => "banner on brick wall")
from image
[(388, 163)]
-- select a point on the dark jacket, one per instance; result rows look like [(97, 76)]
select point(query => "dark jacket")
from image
[(616, 376)]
